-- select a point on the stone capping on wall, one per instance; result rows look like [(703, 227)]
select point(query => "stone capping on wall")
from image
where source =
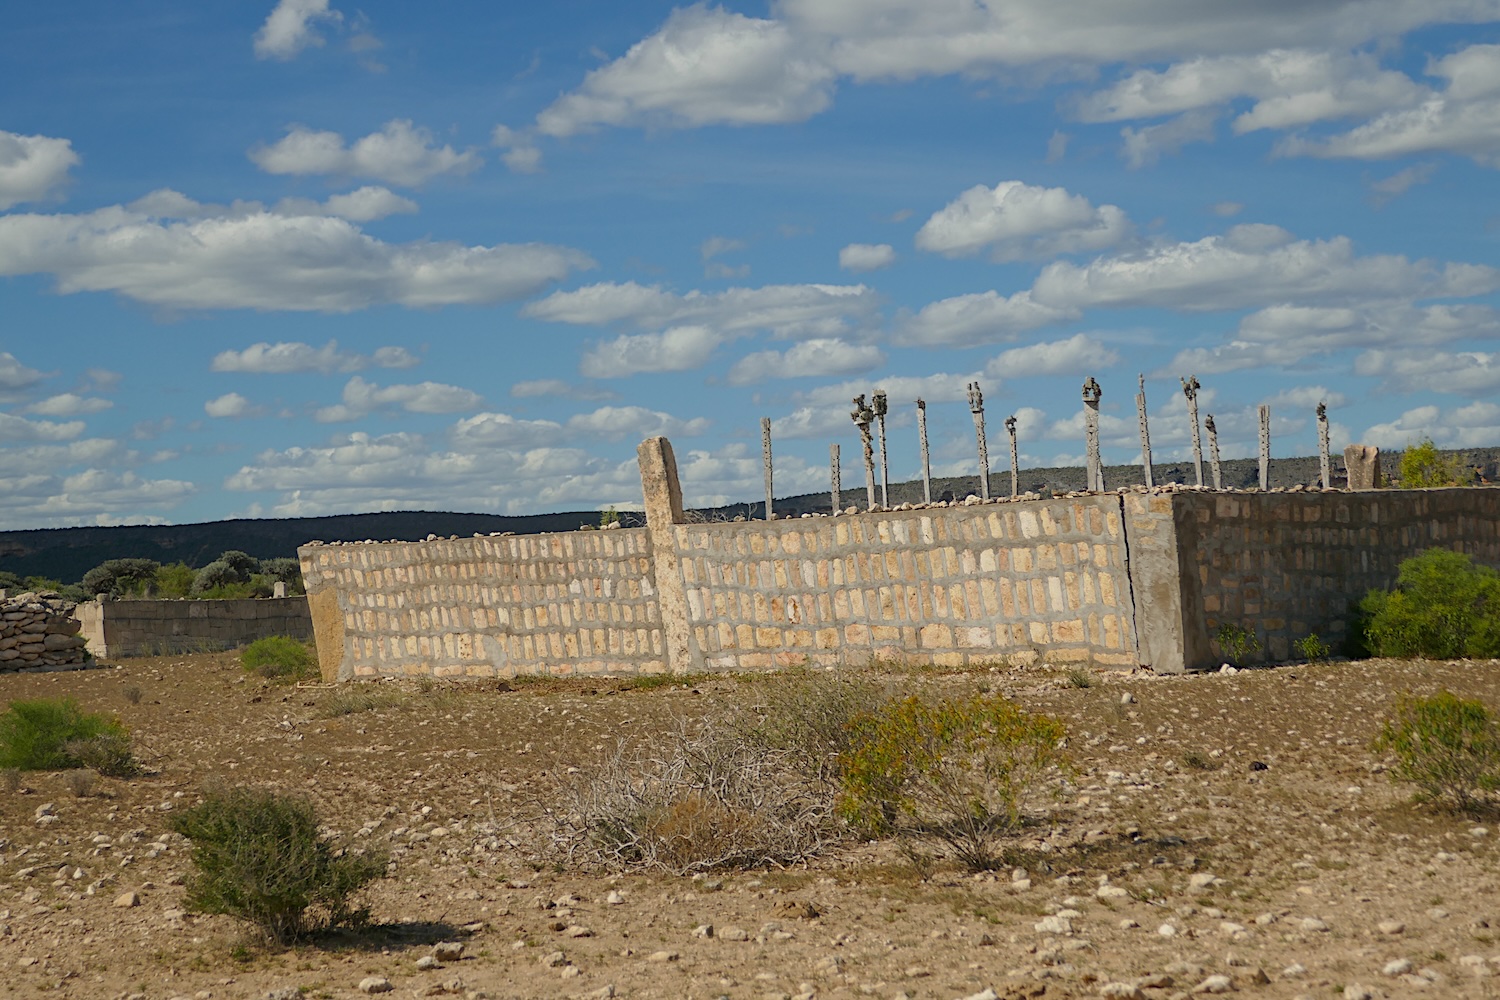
[(1131, 577)]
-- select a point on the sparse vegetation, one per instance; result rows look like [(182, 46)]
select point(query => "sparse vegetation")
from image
[(958, 771), (1079, 677), (259, 857), (81, 782), (279, 657), (1445, 745), (1423, 466), (55, 734), (1236, 642), (1312, 649), (1444, 607), (132, 694)]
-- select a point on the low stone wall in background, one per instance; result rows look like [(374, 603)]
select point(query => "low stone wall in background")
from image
[(38, 632), (154, 628)]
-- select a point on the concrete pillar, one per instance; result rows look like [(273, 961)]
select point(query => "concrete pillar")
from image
[(1213, 451), (1324, 465), (765, 453), (976, 407), (1190, 389), (922, 439), (1265, 446), (1091, 395), (663, 501), (1140, 409)]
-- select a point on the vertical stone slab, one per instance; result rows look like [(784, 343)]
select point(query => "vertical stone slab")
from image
[(1015, 464), (1190, 387), (663, 501), (1324, 465), (922, 440), (1363, 464), (1140, 409), (1161, 538), (976, 407), (1213, 451), (765, 448), (328, 635), (1265, 446), (833, 476)]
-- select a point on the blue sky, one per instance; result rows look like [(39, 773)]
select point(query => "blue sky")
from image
[(307, 258)]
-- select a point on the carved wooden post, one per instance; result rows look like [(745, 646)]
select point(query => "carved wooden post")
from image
[(765, 455), (1015, 465), (1190, 389), (1213, 451), (922, 437), (881, 406), (976, 406), (1265, 447), (1140, 407), (1091, 394), (833, 471), (863, 416), (1323, 462)]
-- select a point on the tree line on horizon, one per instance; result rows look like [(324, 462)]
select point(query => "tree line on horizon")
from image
[(234, 574)]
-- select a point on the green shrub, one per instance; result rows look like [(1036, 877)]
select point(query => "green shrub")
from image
[(259, 858), (1443, 607), (216, 575), (1424, 467), (1312, 649), (1445, 745), (175, 580), (958, 771), (810, 714), (55, 734), (279, 657), (1236, 642)]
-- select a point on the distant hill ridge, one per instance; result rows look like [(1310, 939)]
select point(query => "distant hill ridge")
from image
[(67, 553)]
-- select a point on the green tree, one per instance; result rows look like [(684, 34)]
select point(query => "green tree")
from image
[(1423, 466), (175, 580), (118, 577)]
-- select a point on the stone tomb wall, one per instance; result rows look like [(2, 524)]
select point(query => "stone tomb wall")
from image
[(487, 606), (152, 628)]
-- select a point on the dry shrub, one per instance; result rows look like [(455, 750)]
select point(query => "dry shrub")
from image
[(699, 799)]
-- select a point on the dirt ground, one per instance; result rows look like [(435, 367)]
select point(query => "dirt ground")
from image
[(1231, 826)]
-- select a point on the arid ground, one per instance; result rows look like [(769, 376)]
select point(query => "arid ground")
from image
[(1233, 826)]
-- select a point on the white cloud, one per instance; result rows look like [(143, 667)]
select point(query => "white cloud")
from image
[(978, 318), (1476, 425), (1227, 209), (289, 28), (368, 204), (819, 356), (615, 423), (1017, 221), (13, 428), (363, 205), (1144, 146), (520, 152), (704, 66), (1401, 181), (268, 262), (1468, 373), (866, 256), (501, 430), (361, 397), (32, 166), (678, 349), (941, 387), (1079, 354), (558, 388), (1463, 118), (69, 404), (16, 378), (400, 153), (286, 357), (1247, 266), (89, 496), (1307, 397), (782, 310), (229, 405)]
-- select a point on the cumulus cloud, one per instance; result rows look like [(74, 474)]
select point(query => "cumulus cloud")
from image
[(89, 496), (290, 28), (557, 387), (782, 310), (978, 318), (679, 349), (704, 66), (1247, 266), (1467, 373), (859, 257), (1463, 118), (1144, 146), (501, 430), (13, 428), (229, 405), (400, 153), (286, 357), (16, 378), (366, 204), (32, 166), (519, 150), (361, 397), (616, 423), (69, 404), (1075, 355), (1476, 425), (1017, 221), (266, 261), (819, 356)]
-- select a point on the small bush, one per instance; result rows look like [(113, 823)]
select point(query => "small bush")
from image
[(81, 782), (1445, 745), (49, 735), (1078, 677), (1443, 607), (1312, 649), (279, 657), (108, 753), (810, 714), (1236, 642), (959, 772), (1424, 467), (259, 858), (351, 700), (132, 694)]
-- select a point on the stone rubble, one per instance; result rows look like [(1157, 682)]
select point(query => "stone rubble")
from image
[(38, 632)]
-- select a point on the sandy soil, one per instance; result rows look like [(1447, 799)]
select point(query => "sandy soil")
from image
[(1179, 859)]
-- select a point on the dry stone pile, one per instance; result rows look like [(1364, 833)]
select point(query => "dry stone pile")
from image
[(38, 632)]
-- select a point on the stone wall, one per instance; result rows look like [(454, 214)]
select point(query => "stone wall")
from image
[(39, 632), (486, 606), (1132, 577), (1287, 565), (116, 629)]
